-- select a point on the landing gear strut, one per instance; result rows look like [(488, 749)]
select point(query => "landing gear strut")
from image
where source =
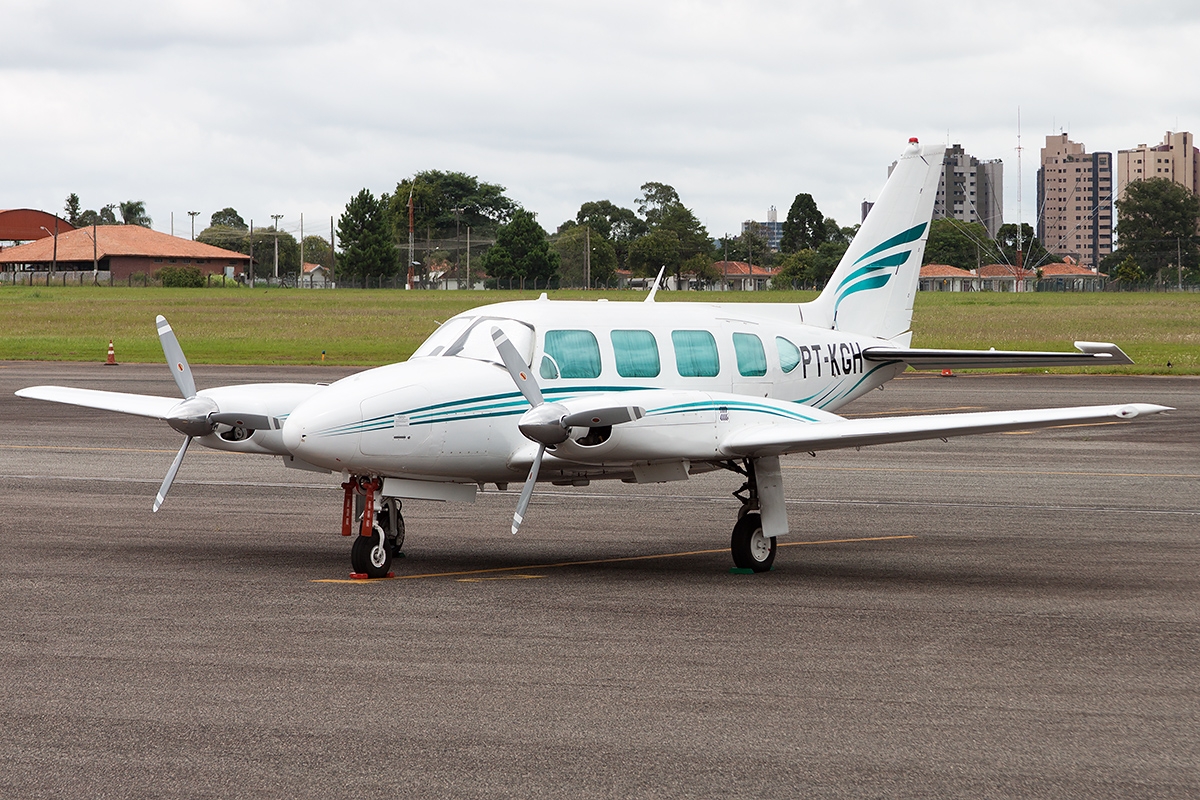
[(381, 531), (750, 548)]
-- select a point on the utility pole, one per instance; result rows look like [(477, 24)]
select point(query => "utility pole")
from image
[(193, 215), (411, 217), (332, 252), (457, 243), (301, 276), (251, 254), (587, 257), (54, 233), (275, 227)]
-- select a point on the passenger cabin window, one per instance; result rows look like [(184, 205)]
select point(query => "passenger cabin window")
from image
[(636, 353), (751, 358), (789, 354), (695, 354), (570, 354)]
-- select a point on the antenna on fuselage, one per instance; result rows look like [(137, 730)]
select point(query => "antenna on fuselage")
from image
[(657, 281)]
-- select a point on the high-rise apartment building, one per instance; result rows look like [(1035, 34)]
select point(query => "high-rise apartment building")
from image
[(1176, 159), (770, 231), (971, 190), (1075, 201)]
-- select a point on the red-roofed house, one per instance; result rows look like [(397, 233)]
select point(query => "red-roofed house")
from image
[(945, 278), (314, 276), (740, 276), (123, 250)]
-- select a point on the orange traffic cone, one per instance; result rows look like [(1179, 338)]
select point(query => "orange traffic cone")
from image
[(112, 355), (947, 373)]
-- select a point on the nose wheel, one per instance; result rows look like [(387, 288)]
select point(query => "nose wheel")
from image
[(380, 531)]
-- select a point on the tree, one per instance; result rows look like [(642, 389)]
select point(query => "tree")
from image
[(227, 218), (522, 250), (106, 215), (445, 205), (1034, 253), (133, 212), (365, 233), (748, 247), (657, 249), (619, 226), (72, 209), (1158, 225), (1128, 271), (965, 245), (655, 200), (318, 251), (804, 228), (571, 244)]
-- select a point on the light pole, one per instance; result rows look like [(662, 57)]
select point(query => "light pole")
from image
[(193, 215), (95, 255), (54, 263), (275, 227)]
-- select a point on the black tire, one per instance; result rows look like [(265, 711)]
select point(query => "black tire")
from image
[(752, 550), (361, 559)]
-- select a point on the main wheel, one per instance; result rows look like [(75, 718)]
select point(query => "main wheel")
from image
[(367, 557), (752, 550)]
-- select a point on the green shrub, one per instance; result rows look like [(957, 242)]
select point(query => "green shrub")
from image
[(181, 277)]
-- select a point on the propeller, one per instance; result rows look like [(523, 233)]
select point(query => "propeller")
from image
[(548, 424), (192, 416)]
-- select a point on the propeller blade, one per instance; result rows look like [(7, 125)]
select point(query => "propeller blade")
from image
[(166, 484), (527, 491), (175, 358), (599, 417), (521, 374)]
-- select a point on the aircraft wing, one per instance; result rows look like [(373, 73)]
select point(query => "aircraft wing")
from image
[(142, 405), (801, 437), (1094, 354)]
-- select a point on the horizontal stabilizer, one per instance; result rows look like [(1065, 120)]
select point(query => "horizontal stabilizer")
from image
[(1092, 354), (142, 405), (801, 437)]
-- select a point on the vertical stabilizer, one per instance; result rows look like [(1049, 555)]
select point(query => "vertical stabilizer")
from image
[(872, 289)]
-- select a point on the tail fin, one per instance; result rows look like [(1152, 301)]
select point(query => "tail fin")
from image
[(872, 289)]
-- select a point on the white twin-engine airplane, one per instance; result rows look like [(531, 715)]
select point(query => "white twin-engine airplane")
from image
[(571, 392)]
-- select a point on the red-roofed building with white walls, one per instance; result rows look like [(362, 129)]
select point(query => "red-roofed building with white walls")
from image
[(122, 250)]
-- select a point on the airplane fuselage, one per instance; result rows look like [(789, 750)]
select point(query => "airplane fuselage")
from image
[(698, 369)]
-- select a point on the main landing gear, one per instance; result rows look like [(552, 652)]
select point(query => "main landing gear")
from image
[(750, 548), (380, 529)]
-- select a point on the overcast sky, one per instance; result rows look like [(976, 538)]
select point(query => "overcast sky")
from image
[(292, 107)]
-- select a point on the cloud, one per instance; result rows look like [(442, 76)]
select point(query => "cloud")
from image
[(293, 107)]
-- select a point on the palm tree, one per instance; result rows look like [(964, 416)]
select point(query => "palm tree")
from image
[(133, 212)]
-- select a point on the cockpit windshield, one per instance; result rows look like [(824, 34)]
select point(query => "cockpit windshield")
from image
[(471, 337)]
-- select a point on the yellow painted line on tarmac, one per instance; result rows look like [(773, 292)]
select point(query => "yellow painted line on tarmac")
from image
[(561, 564), (501, 578)]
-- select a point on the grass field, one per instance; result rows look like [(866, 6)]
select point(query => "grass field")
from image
[(353, 327)]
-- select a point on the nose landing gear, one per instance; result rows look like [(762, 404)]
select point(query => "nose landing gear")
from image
[(381, 531)]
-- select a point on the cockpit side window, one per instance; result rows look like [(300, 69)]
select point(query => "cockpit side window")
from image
[(789, 354), (576, 353)]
